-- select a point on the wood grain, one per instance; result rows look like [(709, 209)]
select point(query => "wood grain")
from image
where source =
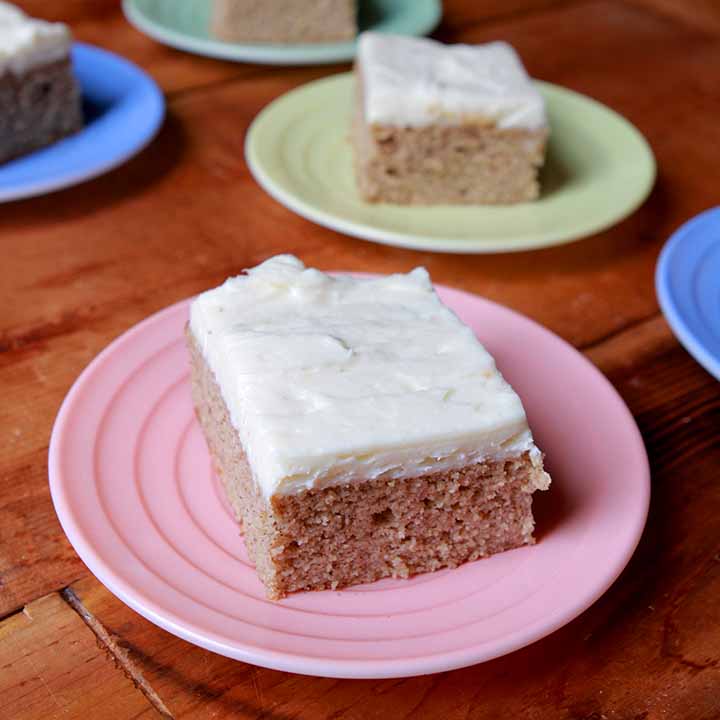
[(703, 14), (51, 667)]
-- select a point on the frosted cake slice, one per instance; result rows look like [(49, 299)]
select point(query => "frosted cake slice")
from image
[(284, 21), (360, 429), (445, 124), (39, 96)]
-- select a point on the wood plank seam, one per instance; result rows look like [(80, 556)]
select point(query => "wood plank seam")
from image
[(118, 653), (15, 611), (632, 325), (632, 346)]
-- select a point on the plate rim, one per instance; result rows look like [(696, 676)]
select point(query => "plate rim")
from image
[(671, 309), (450, 244), (308, 54), (313, 665), (65, 180)]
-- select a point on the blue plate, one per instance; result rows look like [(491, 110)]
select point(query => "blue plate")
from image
[(123, 110), (687, 280)]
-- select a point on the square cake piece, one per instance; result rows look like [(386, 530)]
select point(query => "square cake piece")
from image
[(39, 96), (284, 21), (360, 429), (445, 124)]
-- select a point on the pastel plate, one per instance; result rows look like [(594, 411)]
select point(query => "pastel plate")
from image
[(599, 170), (123, 110), (185, 25), (132, 484), (687, 280)]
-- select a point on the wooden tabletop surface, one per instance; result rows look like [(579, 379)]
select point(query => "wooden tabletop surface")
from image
[(82, 265)]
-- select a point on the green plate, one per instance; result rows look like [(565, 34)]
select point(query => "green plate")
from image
[(184, 24), (599, 169)]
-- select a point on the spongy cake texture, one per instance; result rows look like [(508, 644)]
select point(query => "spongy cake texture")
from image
[(40, 106), (354, 533), (283, 21)]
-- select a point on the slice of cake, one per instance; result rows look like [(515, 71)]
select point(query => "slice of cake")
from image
[(360, 429), (445, 124), (284, 21), (39, 96)]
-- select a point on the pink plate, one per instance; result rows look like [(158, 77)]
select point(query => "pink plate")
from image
[(133, 487)]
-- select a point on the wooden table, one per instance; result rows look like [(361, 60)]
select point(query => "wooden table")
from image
[(81, 266)]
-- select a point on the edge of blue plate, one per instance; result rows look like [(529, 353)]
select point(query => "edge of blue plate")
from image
[(671, 308)]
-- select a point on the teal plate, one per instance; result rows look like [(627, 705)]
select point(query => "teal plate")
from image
[(185, 25)]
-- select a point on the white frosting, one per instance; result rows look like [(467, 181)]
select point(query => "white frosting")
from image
[(26, 43), (417, 81), (331, 379)]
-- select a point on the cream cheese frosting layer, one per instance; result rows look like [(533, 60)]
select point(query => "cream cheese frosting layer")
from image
[(417, 81), (26, 43), (332, 379)]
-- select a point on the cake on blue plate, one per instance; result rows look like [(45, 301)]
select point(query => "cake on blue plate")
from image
[(39, 95)]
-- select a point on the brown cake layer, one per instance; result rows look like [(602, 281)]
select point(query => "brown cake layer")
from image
[(473, 163), (360, 532), (284, 21), (39, 107)]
